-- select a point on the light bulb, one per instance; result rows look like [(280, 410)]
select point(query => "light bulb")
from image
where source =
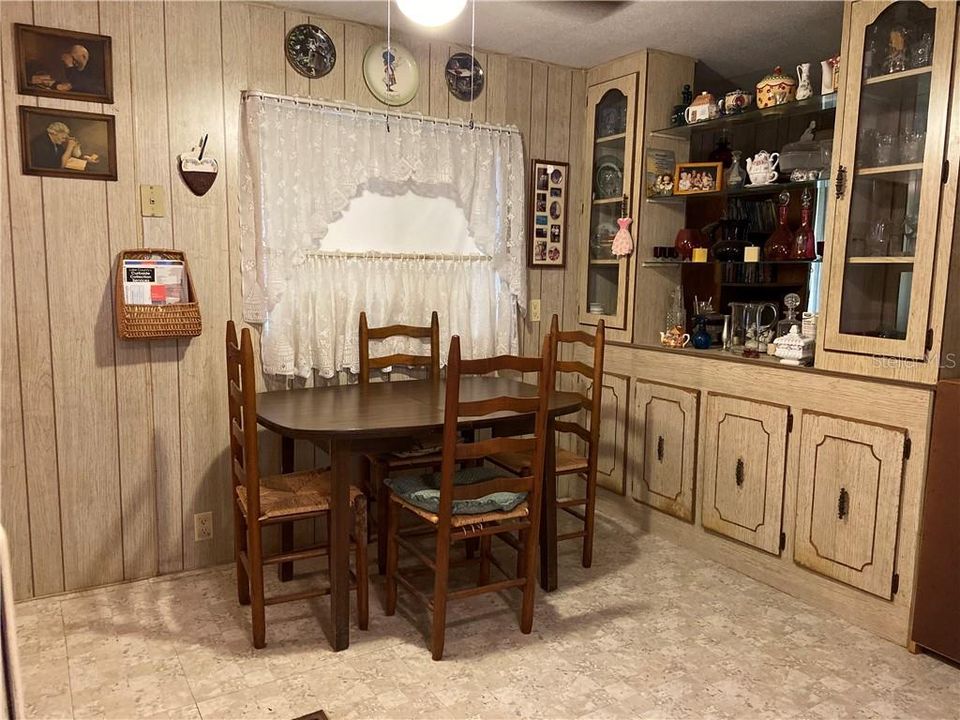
[(431, 13)]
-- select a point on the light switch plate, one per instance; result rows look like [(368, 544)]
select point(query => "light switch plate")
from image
[(535, 310), (151, 201)]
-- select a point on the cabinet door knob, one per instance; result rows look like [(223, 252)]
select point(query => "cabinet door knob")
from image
[(660, 448), (843, 503), (740, 472), (841, 183)]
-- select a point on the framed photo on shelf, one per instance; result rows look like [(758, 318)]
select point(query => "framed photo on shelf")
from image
[(67, 64), (67, 144), (658, 172), (698, 178), (548, 214)]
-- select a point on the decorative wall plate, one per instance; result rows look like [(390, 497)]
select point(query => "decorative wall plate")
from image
[(310, 51), (458, 74), (393, 77)]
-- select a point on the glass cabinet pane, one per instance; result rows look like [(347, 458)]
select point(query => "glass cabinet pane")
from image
[(609, 167), (887, 177)]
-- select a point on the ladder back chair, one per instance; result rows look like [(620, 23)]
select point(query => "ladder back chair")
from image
[(476, 501), (567, 462), (259, 502), (382, 465)]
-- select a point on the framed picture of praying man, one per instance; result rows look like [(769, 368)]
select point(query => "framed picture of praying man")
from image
[(68, 144), (68, 64)]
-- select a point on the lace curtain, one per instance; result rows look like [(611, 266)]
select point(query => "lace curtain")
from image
[(301, 164)]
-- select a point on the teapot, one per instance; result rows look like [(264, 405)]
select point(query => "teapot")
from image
[(762, 168), (703, 107), (675, 337)]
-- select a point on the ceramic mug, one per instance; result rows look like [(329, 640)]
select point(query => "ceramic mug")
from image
[(735, 102)]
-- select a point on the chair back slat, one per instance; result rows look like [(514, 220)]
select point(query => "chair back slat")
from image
[(429, 332), (494, 446), (575, 366), (575, 428), (454, 450), (242, 402), (504, 403), (512, 483)]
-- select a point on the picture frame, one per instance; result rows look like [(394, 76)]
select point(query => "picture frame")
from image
[(65, 64), (547, 208), (45, 135), (701, 178), (659, 170)]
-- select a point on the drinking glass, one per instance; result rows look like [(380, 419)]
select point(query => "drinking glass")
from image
[(885, 149), (911, 147)]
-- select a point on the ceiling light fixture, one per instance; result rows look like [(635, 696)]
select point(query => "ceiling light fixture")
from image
[(431, 13)]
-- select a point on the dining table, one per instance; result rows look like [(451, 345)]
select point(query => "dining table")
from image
[(350, 420)]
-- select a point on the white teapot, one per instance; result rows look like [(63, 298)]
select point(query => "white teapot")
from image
[(762, 168)]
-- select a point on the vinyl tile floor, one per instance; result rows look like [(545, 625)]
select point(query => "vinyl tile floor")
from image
[(650, 631)]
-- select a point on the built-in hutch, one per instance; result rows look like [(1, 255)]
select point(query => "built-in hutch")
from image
[(807, 478)]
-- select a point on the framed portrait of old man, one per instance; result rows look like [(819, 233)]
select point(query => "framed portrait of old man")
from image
[(65, 143), (52, 62)]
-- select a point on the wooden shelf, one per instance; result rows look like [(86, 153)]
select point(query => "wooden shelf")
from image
[(607, 262), (869, 260), (892, 77), (889, 169), (608, 201), (609, 138), (814, 104), (656, 262)]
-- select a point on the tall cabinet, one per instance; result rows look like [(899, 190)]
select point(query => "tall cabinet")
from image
[(895, 198)]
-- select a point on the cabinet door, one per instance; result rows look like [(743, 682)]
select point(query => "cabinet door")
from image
[(848, 500), (613, 431), (663, 443), (609, 171), (888, 188), (745, 456)]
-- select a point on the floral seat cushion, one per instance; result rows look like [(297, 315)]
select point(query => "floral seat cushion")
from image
[(423, 491)]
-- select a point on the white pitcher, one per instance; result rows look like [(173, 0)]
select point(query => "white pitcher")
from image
[(804, 89), (828, 79)]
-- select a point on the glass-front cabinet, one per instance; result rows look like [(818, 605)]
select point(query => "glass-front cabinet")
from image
[(888, 177), (604, 287)]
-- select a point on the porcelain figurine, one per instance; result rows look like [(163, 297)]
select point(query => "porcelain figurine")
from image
[(762, 168), (735, 102), (675, 337), (776, 89), (804, 89), (703, 107), (830, 72)]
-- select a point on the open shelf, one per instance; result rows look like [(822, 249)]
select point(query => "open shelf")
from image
[(889, 169), (813, 104), (610, 138), (606, 261), (608, 201), (891, 77), (654, 262), (746, 190)]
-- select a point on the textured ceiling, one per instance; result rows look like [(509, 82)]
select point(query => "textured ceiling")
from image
[(734, 39)]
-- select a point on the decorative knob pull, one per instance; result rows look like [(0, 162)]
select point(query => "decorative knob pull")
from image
[(660, 448), (843, 503), (841, 184), (740, 472)]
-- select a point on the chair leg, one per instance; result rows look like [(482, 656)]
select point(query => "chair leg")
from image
[(257, 606), (484, 576), (470, 547), (522, 553), (588, 523), (392, 519), (360, 542), (529, 551), (239, 546), (377, 476), (440, 594), (285, 571)]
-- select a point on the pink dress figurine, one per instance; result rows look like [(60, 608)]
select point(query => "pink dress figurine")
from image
[(622, 242)]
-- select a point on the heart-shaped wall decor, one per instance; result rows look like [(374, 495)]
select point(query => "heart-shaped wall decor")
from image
[(197, 171)]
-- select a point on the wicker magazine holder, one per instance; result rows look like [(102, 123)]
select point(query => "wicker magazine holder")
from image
[(146, 322)]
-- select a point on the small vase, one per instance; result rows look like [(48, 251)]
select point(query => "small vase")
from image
[(734, 175), (701, 338), (804, 89)]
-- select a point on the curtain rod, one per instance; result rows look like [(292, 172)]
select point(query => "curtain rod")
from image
[(372, 255), (347, 107)]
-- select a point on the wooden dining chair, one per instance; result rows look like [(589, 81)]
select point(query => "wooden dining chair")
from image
[(567, 462), (259, 502), (423, 454), (475, 501)]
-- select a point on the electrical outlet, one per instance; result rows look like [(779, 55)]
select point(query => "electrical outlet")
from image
[(535, 310), (203, 526)]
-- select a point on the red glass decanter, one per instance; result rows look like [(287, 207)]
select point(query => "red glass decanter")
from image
[(780, 244)]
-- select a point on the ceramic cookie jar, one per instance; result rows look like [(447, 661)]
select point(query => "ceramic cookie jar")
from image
[(776, 89)]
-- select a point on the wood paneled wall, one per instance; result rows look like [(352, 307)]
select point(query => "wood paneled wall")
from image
[(109, 448)]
